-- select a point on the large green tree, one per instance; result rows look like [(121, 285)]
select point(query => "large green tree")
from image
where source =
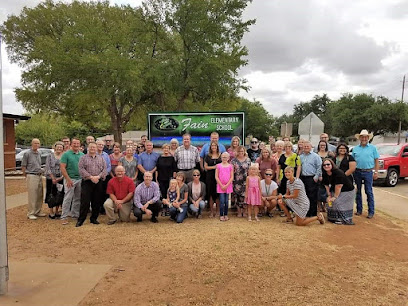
[(92, 61), (352, 113)]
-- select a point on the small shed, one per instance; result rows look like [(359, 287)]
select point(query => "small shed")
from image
[(9, 138)]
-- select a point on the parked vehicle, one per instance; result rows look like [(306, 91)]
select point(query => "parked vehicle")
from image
[(44, 152), (393, 163)]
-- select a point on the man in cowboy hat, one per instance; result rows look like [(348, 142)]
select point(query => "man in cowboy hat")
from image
[(366, 156)]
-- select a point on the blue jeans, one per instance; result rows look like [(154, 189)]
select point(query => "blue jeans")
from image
[(365, 177), (200, 208), (223, 204), (178, 216)]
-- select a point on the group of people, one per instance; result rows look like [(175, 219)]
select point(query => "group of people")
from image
[(183, 180)]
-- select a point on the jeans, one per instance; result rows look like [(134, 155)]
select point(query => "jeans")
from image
[(178, 216), (365, 177), (223, 204), (200, 208)]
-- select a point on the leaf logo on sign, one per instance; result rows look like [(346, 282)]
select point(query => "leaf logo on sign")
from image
[(166, 124)]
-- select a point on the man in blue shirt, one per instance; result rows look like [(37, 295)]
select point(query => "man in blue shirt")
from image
[(366, 156), (310, 176), (147, 160)]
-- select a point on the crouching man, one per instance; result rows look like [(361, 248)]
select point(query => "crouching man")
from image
[(120, 190), (147, 199)]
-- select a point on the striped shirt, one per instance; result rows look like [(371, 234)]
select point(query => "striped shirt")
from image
[(144, 194), (186, 158), (92, 166)]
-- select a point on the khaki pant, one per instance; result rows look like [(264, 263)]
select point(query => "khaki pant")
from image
[(35, 194), (124, 212)]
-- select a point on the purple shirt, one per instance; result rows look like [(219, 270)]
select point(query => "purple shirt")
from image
[(143, 194)]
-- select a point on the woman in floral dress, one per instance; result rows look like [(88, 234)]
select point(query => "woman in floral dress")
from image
[(241, 164)]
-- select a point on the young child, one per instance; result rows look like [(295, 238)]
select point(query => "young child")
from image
[(253, 191), (224, 174), (173, 194)]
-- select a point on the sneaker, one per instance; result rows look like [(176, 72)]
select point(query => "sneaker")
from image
[(163, 213), (32, 217), (52, 217), (370, 216), (358, 213), (40, 215), (167, 213), (270, 215), (112, 222)]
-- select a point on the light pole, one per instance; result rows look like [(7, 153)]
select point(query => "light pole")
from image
[(4, 272), (402, 101)]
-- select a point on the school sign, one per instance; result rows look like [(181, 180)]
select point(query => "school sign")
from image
[(162, 127)]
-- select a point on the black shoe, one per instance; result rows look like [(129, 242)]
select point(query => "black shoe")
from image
[(79, 223), (154, 220), (370, 216), (270, 215), (95, 222), (139, 220), (52, 217), (57, 216)]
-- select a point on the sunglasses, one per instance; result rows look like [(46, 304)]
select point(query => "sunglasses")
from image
[(326, 165), (254, 142), (196, 175), (140, 147), (268, 174)]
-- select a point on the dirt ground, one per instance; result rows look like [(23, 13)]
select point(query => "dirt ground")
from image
[(208, 262), (15, 186)]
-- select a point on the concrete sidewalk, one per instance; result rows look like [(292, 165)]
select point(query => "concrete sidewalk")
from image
[(391, 203), (51, 283), (16, 200)]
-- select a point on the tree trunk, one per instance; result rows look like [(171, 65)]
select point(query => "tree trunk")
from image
[(116, 121)]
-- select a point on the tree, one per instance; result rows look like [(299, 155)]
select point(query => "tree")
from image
[(318, 105), (42, 126), (91, 61), (206, 37), (352, 113), (258, 121)]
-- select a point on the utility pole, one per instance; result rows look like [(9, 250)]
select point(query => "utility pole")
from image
[(4, 271), (402, 101)]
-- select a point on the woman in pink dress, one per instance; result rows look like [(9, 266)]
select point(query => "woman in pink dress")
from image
[(224, 174), (253, 192)]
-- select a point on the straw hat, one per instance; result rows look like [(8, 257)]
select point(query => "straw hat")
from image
[(364, 133)]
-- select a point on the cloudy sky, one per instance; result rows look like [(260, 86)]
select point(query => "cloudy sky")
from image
[(300, 48)]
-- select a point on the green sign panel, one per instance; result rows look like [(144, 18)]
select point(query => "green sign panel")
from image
[(165, 126)]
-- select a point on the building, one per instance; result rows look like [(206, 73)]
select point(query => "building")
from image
[(9, 138)]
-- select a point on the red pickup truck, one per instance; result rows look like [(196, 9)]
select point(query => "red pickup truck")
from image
[(393, 163)]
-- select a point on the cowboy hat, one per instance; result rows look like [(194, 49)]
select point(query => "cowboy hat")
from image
[(364, 133)]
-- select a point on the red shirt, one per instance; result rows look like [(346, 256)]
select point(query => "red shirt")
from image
[(120, 189)]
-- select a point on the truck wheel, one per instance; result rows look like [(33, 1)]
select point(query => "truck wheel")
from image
[(392, 178)]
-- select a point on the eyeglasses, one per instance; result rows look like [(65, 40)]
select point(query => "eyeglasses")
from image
[(196, 175), (254, 142), (268, 174), (326, 165), (140, 147)]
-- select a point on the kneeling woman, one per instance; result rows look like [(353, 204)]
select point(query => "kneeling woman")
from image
[(341, 194), (297, 200)]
